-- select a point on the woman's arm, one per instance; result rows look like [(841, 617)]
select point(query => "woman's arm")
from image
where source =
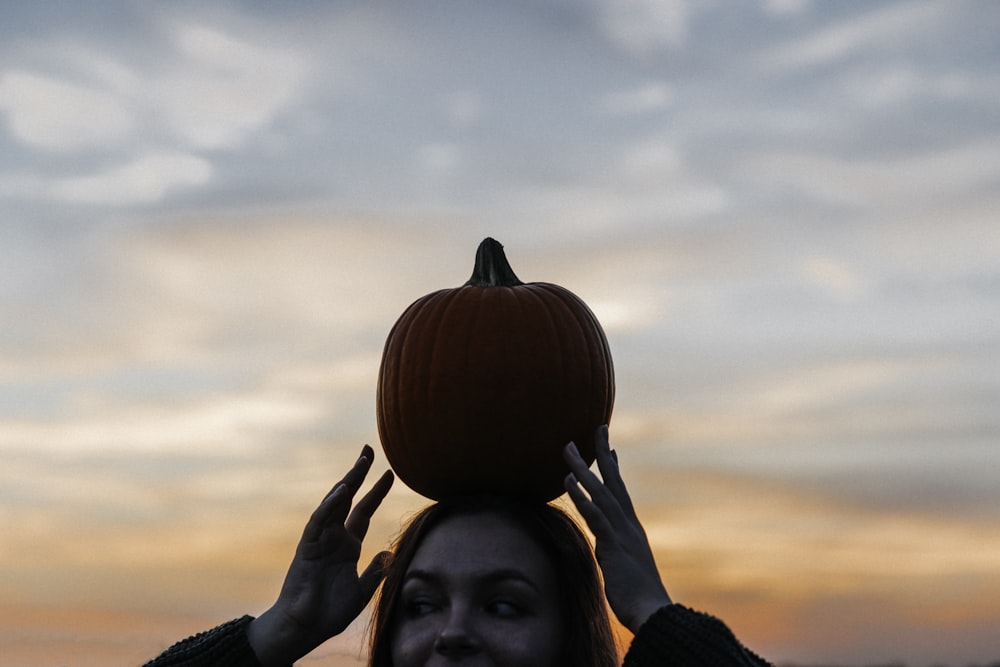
[(323, 591), (681, 637), (666, 633), (222, 646), (632, 582), (321, 595)]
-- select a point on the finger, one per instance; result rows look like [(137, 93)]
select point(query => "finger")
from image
[(599, 493), (607, 463), (356, 475), (372, 576), (352, 481), (571, 455), (602, 454), (320, 517), (360, 517), (337, 502), (582, 472), (591, 513)]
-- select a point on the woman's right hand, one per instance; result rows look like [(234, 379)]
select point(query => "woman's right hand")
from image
[(323, 592), (632, 581)]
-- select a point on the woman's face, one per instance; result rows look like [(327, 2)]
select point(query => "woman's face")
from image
[(478, 591)]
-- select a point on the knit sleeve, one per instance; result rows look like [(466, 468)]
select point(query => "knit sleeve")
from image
[(681, 637), (223, 646)]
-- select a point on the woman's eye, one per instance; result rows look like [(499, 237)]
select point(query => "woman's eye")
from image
[(419, 607), (504, 609)]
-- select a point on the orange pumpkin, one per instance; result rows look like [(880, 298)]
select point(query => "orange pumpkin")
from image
[(481, 386)]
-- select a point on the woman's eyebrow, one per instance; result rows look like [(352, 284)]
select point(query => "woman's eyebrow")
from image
[(508, 574), (422, 575), (489, 577)]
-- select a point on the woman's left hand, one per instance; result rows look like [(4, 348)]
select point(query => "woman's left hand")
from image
[(632, 581), (323, 591)]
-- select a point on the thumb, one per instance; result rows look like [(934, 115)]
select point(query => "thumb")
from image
[(373, 574)]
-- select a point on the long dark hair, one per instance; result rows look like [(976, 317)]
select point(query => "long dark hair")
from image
[(587, 639)]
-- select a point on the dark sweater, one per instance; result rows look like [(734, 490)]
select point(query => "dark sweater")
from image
[(675, 636)]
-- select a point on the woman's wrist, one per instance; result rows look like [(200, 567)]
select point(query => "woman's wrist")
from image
[(276, 640), (644, 609)]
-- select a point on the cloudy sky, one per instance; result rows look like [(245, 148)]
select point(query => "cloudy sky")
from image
[(784, 213)]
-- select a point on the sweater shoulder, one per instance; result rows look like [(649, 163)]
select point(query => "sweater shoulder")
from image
[(677, 635), (225, 645)]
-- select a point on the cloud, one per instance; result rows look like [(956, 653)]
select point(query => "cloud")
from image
[(649, 98), (307, 275), (786, 7), (596, 210), (439, 157), (645, 184), (220, 89), (645, 26), (897, 85), (848, 547), (216, 333), (209, 89), (806, 389), (650, 161), (835, 276), (145, 180), (211, 427), (879, 30), (464, 108), (57, 115), (910, 181), (776, 562), (155, 122)]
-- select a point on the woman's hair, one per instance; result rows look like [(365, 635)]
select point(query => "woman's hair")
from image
[(587, 637)]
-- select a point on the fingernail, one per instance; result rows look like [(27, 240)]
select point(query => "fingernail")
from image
[(335, 493)]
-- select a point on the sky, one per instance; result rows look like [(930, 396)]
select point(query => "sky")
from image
[(782, 212)]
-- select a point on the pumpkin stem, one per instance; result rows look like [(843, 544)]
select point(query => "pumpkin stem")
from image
[(492, 268)]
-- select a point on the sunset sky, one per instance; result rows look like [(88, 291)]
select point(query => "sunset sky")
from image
[(784, 213)]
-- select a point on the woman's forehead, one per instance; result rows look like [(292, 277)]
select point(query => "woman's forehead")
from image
[(480, 542)]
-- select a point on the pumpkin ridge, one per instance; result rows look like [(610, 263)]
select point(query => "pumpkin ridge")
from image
[(596, 336), (444, 340), (388, 415), (481, 327), (515, 312), (545, 309), (552, 328), (588, 338), (438, 339), (410, 340)]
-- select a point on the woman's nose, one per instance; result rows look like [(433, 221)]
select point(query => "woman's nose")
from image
[(457, 637)]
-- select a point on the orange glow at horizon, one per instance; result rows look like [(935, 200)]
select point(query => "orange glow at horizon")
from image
[(719, 548)]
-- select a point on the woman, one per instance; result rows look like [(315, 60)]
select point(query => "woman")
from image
[(477, 581), (513, 581)]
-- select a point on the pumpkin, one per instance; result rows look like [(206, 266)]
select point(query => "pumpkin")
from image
[(481, 386)]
